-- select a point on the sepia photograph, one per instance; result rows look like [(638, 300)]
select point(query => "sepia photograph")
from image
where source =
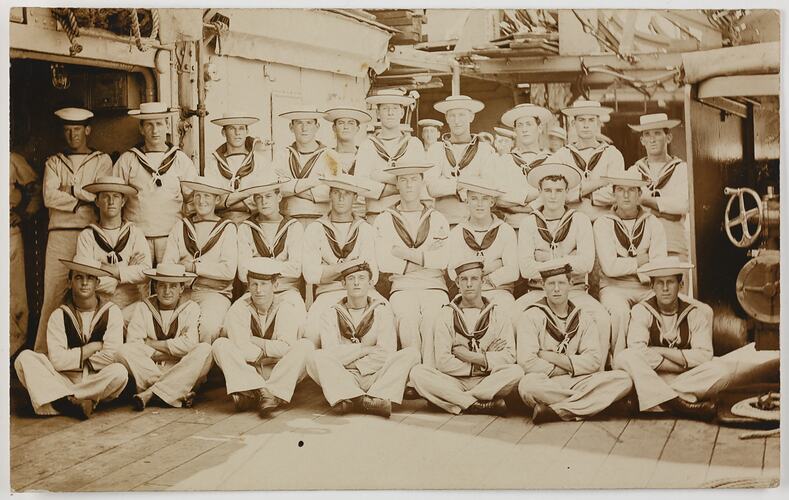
[(390, 248)]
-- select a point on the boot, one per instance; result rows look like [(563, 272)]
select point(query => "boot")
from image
[(267, 402), (702, 410), (410, 393), (494, 407), (515, 404), (70, 406), (245, 400), (376, 406), (544, 414)]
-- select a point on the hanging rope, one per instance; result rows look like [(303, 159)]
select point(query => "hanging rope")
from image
[(68, 21), (135, 27)]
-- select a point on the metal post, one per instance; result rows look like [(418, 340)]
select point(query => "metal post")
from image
[(201, 113)]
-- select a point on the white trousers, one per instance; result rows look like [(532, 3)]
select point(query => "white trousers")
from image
[(574, 398), (44, 384), (157, 247), (18, 307), (455, 394), (415, 312), (243, 372), (618, 300), (321, 303), (213, 307), (586, 302), (61, 244), (170, 381), (697, 384), (339, 382)]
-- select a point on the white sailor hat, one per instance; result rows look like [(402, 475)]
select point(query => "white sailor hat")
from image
[(260, 183), (559, 132), (110, 184), (86, 265), (151, 111), (479, 184), (390, 96), (459, 102), (235, 118), (631, 177), (345, 182), (264, 268), (486, 136), (504, 132), (74, 115), (584, 107), (665, 266), (307, 113), (429, 122), (408, 168), (553, 268), (360, 115), (654, 121), (352, 266), (568, 172), (170, 273), (205, 184), (523, 110), (468, 263)]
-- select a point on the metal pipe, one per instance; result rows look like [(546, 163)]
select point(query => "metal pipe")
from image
[(455, 76), (200, 105)]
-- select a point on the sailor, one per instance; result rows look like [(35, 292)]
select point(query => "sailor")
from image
[(155, 169), (303, 163), (239, 157), (70, 207), (431, 131), (474, 351), (520, 198), (207, 246), (503, 140), (330, 241), (117, 243), (358, 366), (592, 157), (626, 238), (560, 353), (24, 194), (270, 235), (262, 358), (557, 138), (163, 352), (83, 335), (666, 194), (411, 246), (556, 235), (487, 236), (385, 148), (460, 151)]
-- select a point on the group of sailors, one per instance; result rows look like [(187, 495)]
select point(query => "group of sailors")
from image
[(449, 271)]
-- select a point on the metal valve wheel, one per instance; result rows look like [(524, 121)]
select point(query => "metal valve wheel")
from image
[(743, 216)]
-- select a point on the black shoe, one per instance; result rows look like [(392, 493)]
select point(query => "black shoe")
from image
[(346, 406), (515, 404), (138, 404), (267, 402), (702, 410), (494, 407), (544, 414), (245, 400), (70, 406), (188, 400), (410, 393), (376, 406)]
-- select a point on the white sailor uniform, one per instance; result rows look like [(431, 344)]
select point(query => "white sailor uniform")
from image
[(62, 372), (171, 377), (618, 242), (418, 292), (339, 366), (231, 169), (454, 384), (70, 210), (212, 246), (283, 241), (158, 204), (263, 350), (584, 391), (512, 169), (22, 179), (669, 183), (116, 246), (299, 201), (568, 240), (328, 243)]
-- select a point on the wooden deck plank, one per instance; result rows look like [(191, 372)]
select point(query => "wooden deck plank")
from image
[(735, 458), (771, 465), (686, 456), (26, 429), (633, 459)]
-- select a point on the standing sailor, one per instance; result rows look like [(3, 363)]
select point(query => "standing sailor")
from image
[(155, 169), (459, 152), (207, 246), (83, 335), (431, 131), (117, 243), (163, 351), (557, 138), (358, 366), (70, 207), (666, 194), (474, 351), (503, 140), (559, 350)]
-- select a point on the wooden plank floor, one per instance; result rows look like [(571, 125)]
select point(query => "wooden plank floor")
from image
[(307, 446)]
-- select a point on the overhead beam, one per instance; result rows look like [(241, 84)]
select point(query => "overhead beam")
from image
[(407, 56), (571, 64), (739, 86)]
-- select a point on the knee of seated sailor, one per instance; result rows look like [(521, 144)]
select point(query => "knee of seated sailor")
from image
[(219, 345), (116, 372), (23, 358), (625, 358), (303, 346), (418, 373), (530, 381), (512, 371), (203, 349)]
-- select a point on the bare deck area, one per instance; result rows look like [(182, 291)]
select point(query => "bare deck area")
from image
[(307, 446)]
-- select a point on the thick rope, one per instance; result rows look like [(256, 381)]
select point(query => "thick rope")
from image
[(144, 45), (135, 25), (68, 21)]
